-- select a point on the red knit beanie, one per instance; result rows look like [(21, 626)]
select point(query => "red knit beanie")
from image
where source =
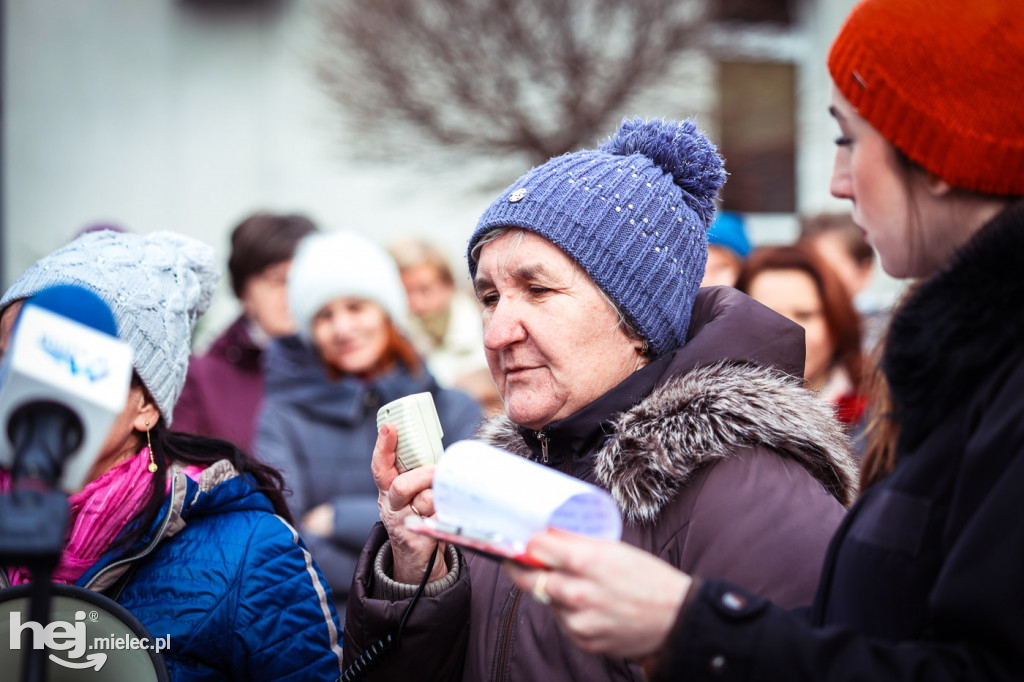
[(943, 81)]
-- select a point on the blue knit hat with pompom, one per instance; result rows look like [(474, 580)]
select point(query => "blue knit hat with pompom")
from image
[(634, 213)]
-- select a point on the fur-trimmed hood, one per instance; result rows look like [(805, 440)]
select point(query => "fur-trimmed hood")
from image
[(703, 415), (942, 342)]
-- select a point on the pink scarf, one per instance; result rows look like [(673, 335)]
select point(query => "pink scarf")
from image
[(96, 514)]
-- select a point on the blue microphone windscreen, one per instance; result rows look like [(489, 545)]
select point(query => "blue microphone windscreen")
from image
[(78, 304)]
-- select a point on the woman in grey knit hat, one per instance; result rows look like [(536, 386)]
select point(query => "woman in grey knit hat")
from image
[(687, 407), (189, 534)]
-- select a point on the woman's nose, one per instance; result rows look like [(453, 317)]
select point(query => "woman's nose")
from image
[(841, 186), (341, 324), (503, 325)]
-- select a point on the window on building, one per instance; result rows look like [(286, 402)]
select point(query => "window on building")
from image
[(757, 118)]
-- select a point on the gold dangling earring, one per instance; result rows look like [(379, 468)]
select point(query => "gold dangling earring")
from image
[(149, 444)]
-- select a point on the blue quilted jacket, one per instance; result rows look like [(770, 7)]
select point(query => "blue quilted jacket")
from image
[(230, 582)]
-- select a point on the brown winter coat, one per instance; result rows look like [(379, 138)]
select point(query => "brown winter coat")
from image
[(721, 464)]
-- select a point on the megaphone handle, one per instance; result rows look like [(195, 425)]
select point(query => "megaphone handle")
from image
[(33, 667)]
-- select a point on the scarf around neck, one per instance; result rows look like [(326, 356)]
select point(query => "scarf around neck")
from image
[(96, 514)]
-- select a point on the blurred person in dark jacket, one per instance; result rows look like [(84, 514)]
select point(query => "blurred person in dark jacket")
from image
[(224, 387)]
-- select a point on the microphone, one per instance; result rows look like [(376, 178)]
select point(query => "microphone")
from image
[(63, 382)]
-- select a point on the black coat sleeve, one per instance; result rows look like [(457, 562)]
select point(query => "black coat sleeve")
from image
[(972, 614)]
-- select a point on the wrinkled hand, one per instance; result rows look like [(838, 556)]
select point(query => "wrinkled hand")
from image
[(397, 494), (611, 598)]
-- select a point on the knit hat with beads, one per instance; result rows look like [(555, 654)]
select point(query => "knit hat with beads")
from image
[(942, 80), (634, 214), (157, 285)]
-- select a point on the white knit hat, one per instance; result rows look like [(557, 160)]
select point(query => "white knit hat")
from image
[(342, 264), (156, 285)]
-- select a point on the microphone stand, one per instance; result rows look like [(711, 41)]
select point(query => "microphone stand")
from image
[(34, 517)]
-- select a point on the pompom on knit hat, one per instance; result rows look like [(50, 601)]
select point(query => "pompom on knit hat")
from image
[(941, 80), (157, 285), (342, 264), (634, 214)]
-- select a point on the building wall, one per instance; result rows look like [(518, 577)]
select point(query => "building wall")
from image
[(156, 115)]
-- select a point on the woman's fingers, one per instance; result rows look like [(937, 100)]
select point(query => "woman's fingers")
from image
[(382, 463), (398, 494), (594, 592), (568, 552), (423, 504), (411, 485), (524, 577)]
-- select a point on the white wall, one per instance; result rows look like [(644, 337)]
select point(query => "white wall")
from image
[(156, 117)]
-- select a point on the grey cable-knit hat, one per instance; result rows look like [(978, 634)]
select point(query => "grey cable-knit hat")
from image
[(157, 285)]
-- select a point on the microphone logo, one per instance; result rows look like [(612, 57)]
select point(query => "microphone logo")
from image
[(78, 361)]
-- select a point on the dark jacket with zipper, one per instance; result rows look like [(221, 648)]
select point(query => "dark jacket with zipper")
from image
[(223, 389), (923, 579), (720, 463)]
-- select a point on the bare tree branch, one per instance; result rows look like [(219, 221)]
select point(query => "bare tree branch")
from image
[(498, 76)]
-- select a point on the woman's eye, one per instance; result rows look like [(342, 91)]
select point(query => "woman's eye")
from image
[(489, 300), (843, 141)]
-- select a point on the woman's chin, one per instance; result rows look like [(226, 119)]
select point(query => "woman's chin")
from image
[(525, 412), (353, 363)]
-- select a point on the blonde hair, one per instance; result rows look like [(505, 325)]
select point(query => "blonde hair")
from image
[(411, 252)]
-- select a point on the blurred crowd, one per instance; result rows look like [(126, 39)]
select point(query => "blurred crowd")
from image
[(772, 436)]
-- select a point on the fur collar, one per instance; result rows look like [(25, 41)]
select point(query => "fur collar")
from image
[(957, 327), (702, 416)]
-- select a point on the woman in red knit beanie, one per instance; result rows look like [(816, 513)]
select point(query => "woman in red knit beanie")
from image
[(923, 579)]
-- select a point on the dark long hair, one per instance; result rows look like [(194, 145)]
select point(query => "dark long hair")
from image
[(185, 448), (882, 428)]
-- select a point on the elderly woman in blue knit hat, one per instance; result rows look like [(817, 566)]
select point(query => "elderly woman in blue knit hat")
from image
[(189, 534), (686, 405)]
